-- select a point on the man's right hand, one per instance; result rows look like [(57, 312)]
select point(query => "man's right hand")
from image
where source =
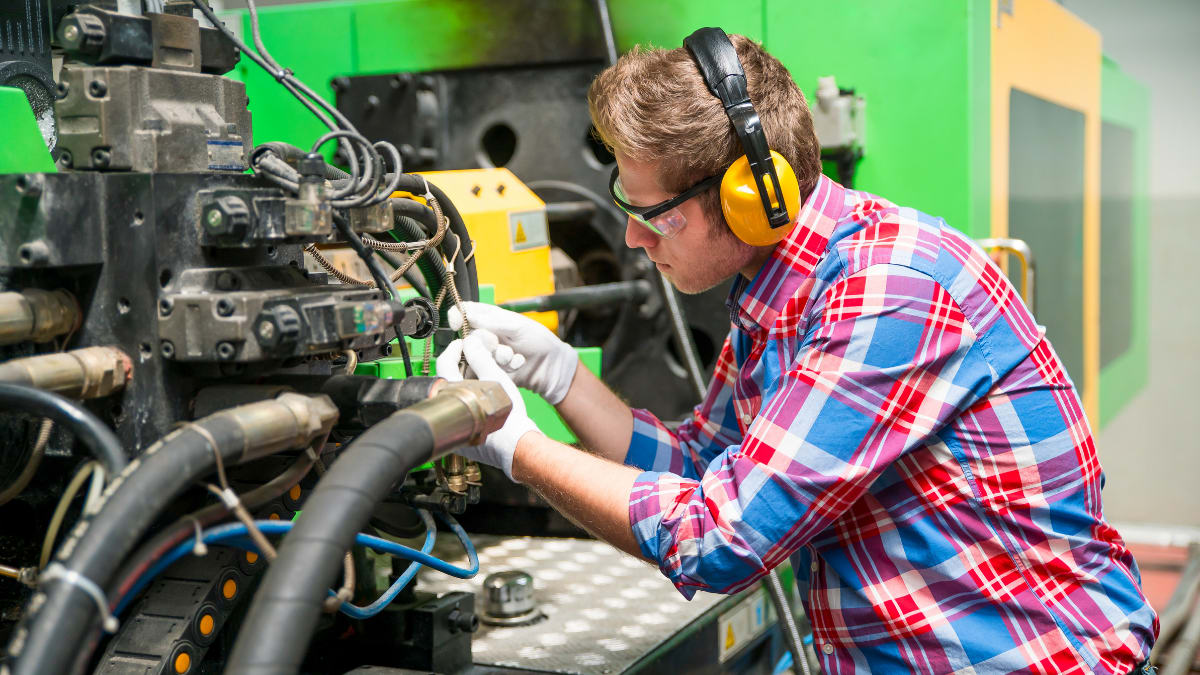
[(548, 365)]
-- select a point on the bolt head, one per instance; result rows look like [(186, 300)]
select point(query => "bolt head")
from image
[(71, 33), (226, 350), (266, 330), (214, 218)]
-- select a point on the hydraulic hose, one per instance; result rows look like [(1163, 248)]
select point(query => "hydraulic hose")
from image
[(64, 610), (465, 273), (430, 263), (87, 427), (288, 603)]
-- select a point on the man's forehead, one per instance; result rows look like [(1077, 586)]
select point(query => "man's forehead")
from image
[(639, 179)]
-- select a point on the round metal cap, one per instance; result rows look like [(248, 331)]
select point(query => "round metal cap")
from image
[(508, 598)]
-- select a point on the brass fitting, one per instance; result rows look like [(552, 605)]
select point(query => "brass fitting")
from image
[(456, 473), (38, 315), (289, 421), (486, 402), (91, 372)]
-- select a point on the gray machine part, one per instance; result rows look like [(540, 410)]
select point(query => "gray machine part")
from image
[(152, 120)]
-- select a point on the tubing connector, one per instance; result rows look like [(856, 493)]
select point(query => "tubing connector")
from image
[(289, 421), (86, 373), (38, 315), (487, 404)]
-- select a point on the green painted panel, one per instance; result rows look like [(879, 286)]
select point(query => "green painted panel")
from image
[(24, 149), (667, 22), (924, 70), (1126, 102)]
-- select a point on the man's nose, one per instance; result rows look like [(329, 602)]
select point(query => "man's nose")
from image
[(637, 235)]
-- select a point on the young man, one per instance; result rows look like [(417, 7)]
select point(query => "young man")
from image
[(885, 411)]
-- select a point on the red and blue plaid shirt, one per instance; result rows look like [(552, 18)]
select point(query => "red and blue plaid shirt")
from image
[(887, 410)]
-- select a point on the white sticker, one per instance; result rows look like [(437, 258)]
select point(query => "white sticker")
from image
[(527, 229), (226, 156)]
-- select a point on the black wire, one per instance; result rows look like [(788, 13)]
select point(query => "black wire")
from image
[(88, 428), (408, 369)]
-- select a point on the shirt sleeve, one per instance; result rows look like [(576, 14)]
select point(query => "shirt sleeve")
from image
[(888, 360), (689, 448)]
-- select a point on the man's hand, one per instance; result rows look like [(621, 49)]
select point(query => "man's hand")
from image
[(534, 357), (500, 445)]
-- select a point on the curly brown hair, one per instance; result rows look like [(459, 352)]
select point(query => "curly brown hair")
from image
[(653, 105)]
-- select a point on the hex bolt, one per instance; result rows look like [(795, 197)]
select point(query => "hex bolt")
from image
[(214, 218), (266, 331), (100, 157), (168, 349), (97, 88), (71, 34), (165, 306), (224, 307), (226, 350)]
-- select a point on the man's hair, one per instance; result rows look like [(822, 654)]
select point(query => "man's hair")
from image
[(653, 105)]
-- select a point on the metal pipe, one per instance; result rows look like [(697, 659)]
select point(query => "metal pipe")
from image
[(787, 621), (610, 43), (569, 212), (683, 337), (1183, 653), (1024, 254), (583, 296), (91, 372), (1173, 617), (38, 315)]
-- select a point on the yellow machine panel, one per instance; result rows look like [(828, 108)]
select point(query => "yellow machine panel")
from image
[(512, 238)]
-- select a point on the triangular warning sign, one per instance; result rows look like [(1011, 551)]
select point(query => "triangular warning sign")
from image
[(730, 640), (520, 238)]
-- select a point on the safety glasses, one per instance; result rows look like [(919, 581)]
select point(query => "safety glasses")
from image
[(663, 218)]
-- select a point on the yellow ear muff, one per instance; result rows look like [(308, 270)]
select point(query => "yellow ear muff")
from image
[(744, 209)]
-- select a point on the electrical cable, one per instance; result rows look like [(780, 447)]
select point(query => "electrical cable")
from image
[(140, 560), (60, 511), (18, 486), (356, 612), (234, 534), (88, 428)]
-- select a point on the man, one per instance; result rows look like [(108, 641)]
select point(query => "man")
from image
[(885, 411)]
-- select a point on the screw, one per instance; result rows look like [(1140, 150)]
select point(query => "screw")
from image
[(62, 89), (372, 102), (226, 281), (168, 349), (266, 331), (100, 157), (224, 307), (66, 159), (214, 219), (165, 306), (225, 350), (97, 88), (340, 83), (34, 253), (71, 33)]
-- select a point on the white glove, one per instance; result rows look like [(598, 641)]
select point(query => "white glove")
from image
[(498, 448), (535, 357)]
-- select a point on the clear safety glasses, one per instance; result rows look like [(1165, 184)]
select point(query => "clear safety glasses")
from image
[(663, 218)]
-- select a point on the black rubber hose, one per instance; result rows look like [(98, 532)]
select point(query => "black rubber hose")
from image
[(430, 263), (292, 154), (287, 605), (466, 279), (88, 428), (413, 278), (68, 615), (183, 527), (403, 206)]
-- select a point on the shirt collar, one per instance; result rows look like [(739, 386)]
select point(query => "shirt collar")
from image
[(757, 301)]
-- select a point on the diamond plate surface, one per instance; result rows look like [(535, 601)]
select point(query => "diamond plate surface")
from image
[(604, 609)]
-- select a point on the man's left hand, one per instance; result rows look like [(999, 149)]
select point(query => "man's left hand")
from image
[(499, 447)]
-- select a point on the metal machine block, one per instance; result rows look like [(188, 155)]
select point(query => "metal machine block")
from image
[(150, 119), (240, 315)]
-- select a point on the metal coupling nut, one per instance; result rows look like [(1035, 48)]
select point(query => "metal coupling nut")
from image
[(488, 403), (290, 421)]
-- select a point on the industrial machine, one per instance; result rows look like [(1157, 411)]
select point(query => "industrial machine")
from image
[(225, 445)]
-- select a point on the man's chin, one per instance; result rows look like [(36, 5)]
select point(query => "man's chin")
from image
[(693, 286)]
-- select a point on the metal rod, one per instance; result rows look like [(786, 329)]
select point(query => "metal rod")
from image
[(583, 296), (683, 337), (1175, 615), (569, 212), (1024, 254), (787, 621), (610, 43), (1183, 653)]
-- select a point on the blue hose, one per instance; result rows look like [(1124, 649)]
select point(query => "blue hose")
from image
[(235, 534)]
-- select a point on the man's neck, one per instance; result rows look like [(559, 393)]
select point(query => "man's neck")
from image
[(760, 257)]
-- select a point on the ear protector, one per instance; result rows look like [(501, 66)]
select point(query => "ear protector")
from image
[(758, 213)]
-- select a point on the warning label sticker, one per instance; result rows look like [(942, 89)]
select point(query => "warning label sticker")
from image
[(527, 229), (742, 624)]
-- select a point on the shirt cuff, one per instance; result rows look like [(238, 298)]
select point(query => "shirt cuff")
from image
[(645, 516)]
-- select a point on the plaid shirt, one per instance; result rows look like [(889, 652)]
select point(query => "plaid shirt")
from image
[(887, 409)]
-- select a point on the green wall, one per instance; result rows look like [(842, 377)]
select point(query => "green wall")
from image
[(925, 74), (1126, 102)]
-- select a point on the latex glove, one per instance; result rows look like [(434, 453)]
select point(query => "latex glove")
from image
[(535, 357), (500, 445)]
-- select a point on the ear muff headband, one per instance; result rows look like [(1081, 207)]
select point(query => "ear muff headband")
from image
[(725, 78)]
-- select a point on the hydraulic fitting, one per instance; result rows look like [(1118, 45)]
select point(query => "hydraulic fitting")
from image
[(37, 315), (91, 372), (486, 401), (289, 421)]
